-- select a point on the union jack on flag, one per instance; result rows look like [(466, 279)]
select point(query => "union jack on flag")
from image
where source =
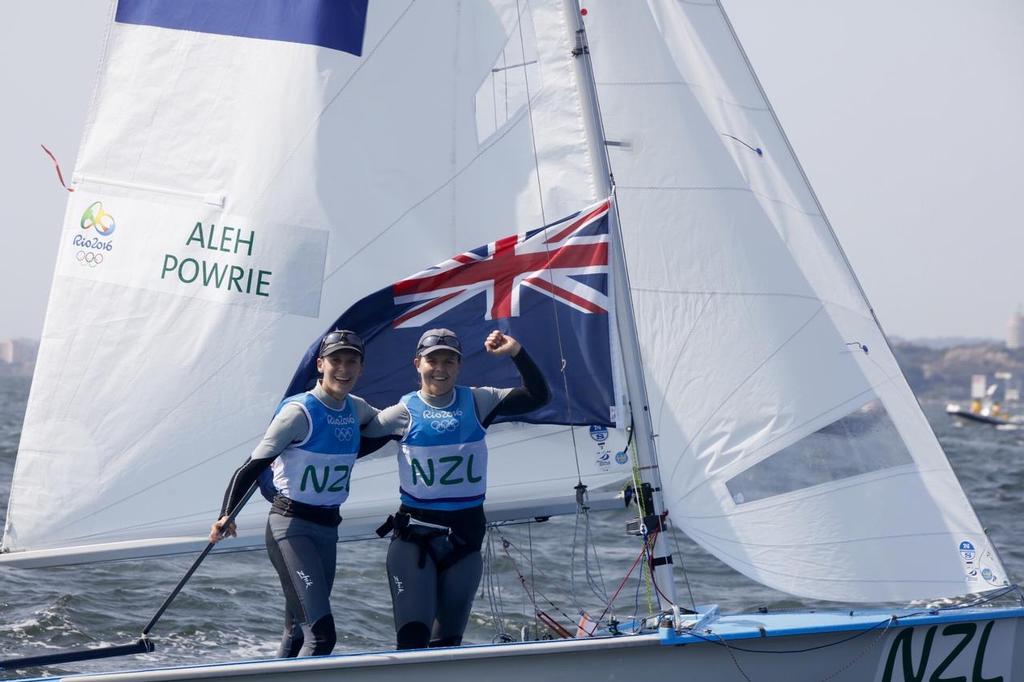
[(549, 260), (550, 288)]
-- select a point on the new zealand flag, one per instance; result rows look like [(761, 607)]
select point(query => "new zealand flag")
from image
[(548, 288)]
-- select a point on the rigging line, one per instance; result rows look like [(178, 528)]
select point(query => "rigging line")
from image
[(572, 562), (547, 247), (506, 544), (679, 357), (867, 647), (622, 584), (721, 641), (533, 577), (596, 588), (529, 108), (739, 386), (263, 194), (674, 534)]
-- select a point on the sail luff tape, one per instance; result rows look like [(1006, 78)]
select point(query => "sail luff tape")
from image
[(212, 198)]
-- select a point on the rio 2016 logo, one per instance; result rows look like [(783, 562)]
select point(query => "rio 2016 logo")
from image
[(99, 219)]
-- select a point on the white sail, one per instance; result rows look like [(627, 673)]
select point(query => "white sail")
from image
[(236, 195), (790, 445)]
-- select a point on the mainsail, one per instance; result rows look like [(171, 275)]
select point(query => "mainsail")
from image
[(789, 444), (240, 193)]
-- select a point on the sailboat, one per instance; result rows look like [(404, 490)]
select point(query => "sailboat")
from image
[(246, 176)]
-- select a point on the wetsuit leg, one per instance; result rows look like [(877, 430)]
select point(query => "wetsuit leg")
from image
[(457, 586), (304, 555), (413, 593), (292, 638)]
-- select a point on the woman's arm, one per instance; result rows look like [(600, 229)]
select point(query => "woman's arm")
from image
[(290, 425), (532, 394)]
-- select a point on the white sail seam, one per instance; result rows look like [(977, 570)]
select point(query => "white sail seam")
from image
[(431, 194), (263, 194), (740, 385), (828, 489), (872, 538), (755, 294), (756, 459), (854, 581), (679, 353), (172, 476), (695, 188), (689, 84), (212, 198)]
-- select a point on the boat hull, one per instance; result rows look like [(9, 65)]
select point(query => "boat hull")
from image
[(980, 645)]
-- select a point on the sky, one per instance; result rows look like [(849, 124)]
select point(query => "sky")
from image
[(907, 115)]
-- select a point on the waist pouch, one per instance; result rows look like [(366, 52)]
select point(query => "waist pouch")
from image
[(444, 547)]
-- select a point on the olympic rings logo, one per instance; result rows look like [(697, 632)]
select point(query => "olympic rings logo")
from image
[(96, 217), (89, 258), (343, 434), (445, 425)]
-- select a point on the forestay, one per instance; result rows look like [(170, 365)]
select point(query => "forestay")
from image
[(237, 189), (790, 445)]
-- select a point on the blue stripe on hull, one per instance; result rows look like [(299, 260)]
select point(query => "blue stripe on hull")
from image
[(335, 24)]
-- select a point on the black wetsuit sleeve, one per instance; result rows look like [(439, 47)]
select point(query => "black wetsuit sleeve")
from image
[(243, 479), (532, 394), (371, 444)]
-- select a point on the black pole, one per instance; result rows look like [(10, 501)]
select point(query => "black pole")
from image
[(143, 645), (195, 564)]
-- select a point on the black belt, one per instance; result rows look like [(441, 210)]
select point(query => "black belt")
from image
[(325, 516)]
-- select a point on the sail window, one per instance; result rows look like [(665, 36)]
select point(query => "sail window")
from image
[(513, 80), (862, 442)]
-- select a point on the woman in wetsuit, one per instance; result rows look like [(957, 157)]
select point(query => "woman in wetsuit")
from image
[(310, 447), (434, 564)]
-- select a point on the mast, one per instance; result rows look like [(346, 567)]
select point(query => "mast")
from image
[(629, 343)]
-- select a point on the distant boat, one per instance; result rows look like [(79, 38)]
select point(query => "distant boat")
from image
[(984, 408)]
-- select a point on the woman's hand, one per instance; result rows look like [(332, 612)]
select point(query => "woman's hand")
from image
[(222, 529), (501, 344)]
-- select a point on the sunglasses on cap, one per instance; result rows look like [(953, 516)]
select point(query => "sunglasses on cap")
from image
[(342, 336), (439, 340)]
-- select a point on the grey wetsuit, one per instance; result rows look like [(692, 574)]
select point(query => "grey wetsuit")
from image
[(301, 538), (434, 564)]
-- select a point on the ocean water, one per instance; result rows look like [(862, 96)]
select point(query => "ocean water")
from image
[(233, 609)]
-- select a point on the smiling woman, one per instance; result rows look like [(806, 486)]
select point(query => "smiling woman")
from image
[(434, 564), (308, 452)]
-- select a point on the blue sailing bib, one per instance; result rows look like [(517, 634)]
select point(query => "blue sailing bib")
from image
[(318, 470), (442, 460)]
